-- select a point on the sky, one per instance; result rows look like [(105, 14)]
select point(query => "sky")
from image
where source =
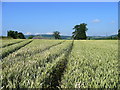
[(45, 17), (59, 0)]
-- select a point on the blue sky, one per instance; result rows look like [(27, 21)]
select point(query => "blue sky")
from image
[(60, 0), (46, 17)]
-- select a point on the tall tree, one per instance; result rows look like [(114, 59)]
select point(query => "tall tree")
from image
[(80, 32), (56, 34)]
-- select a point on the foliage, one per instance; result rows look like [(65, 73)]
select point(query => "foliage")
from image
[(39, 37), (80, 32), (119, 34), (21, 36), (7, 50), (4, 37), (30, 37), (12, 34), (33, 63), (56, 34), (7, 42), (15, 35)]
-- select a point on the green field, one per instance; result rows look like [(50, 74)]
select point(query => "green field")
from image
[(59, 63)]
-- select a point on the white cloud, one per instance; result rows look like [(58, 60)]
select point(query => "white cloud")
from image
[(37, 33), (28, 33), (65, 34), (49, 33), (96, 21)]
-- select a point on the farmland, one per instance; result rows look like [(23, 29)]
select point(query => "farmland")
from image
[(59, 63)]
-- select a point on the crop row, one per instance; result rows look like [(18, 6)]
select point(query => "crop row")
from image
[(8, 42), (7, 50), (62, 64), (28, 51), (92, 65), (29, 71), (51, 77)]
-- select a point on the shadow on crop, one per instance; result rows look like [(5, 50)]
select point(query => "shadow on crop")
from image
[(53, 82)]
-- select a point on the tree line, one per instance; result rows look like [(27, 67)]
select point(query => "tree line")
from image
[(15, 34), (79, 33)]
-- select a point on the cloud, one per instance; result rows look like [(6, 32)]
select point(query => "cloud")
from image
[(96, 21), (37, 33), (49, 33), (28, 33)]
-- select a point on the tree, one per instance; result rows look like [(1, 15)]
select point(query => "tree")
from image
[(21, 36), (119, 34), (56, 34), (15, 35), (80, 32), (12, 34)]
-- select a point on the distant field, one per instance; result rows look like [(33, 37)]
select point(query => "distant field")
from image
[(59, 64)]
